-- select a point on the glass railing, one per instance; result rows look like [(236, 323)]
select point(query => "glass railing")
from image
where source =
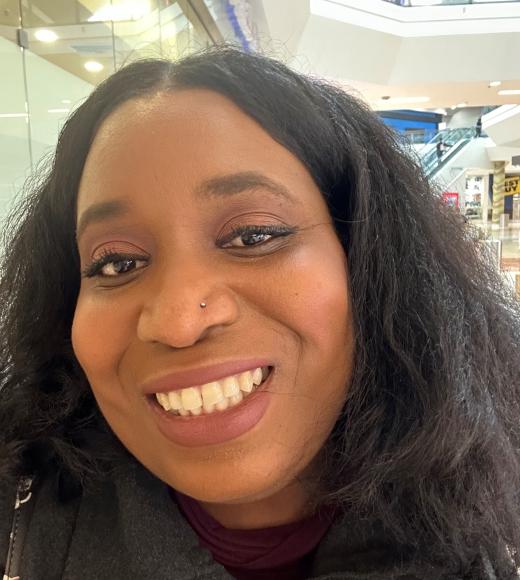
[(433, 156), (415, 3)]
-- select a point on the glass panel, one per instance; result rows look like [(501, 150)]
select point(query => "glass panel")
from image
[(175, 32), (202, 29), (38, 13), (137, 32), (73, 46), (182, 31), (15, 159), (53, 92), (84, 50)]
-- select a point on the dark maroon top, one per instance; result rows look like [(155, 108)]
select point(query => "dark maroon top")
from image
[(279, 553)]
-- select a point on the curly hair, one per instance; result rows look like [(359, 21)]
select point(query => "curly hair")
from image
[(428, 440)]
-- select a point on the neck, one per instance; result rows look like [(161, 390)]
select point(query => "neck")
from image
[(288, 505)]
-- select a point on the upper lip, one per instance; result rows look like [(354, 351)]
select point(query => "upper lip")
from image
[(199, 376)]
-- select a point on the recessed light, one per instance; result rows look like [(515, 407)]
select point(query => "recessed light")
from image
[(129, 10), (59, 111), (509, 92), (45, 35), (66, 101), (495, 83), (93, 66)]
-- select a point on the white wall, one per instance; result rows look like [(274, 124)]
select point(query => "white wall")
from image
[(466, 117), (352, 47)]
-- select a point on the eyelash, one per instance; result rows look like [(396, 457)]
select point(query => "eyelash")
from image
[(108, 257), (274, 231)]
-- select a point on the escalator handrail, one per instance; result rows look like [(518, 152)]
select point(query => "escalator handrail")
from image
[(431, 169)]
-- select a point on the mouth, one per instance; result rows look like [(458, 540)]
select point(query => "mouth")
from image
[(214, 397)]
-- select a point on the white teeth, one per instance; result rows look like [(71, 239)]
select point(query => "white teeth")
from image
[(175, 400), (257, 376), (214, 396), (245, 380), (211, 393), (230, 387), (222, 405), (164, 400), (191, 398), (235, 399)]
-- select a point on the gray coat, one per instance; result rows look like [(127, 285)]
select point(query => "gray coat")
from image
[(131, 529)]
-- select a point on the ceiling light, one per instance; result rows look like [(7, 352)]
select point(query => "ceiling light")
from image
[(462, 105), (495, 83), (404, 100), (440, 111), (45, 35), (12, 115), (66, 101), (58, 110), (93, 66), (509, 92), (130, 10)]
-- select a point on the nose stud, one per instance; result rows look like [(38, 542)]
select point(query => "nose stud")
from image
[(203, 305)]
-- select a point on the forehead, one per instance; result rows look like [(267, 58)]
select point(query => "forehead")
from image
[(174, 141)]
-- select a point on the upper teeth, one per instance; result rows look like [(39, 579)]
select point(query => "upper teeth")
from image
[(217, 395)]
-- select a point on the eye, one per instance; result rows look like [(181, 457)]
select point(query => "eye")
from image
[(251, 236), (113, 265)]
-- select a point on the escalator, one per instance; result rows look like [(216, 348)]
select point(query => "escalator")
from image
[(454, 140)]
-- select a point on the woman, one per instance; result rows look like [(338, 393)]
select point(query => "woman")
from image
[(242, 338)]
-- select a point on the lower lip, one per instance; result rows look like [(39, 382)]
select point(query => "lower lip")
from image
[(217, 427)]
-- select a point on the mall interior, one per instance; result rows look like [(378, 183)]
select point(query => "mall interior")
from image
[(445, 74)]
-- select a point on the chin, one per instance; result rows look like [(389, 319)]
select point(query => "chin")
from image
[(250, 482)]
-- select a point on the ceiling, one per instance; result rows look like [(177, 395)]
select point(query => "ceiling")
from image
[(377, 53), (441, 95), (441, 59), (149, 28)]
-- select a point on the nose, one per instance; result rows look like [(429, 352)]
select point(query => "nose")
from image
[(186, 305)]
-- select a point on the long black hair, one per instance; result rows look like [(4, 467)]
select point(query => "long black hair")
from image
[(428, 440)]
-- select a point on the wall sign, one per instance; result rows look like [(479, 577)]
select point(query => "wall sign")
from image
[(511, 185)]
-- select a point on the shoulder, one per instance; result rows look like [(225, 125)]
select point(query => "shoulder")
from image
[(357, 550)]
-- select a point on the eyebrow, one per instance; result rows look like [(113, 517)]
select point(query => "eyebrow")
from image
[(235, 183), (222, 186), (100, 212)]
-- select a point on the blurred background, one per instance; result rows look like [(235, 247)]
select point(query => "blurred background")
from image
[(445, 74)]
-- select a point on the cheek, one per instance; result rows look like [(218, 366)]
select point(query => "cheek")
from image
[(100, 333), (312, 297)]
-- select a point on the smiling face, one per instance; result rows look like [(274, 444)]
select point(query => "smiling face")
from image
[(185, 200)]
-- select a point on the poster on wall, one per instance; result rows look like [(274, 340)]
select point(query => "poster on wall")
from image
[(451, 198)]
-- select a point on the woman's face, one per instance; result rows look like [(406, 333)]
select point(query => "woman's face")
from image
[(185, 200)]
